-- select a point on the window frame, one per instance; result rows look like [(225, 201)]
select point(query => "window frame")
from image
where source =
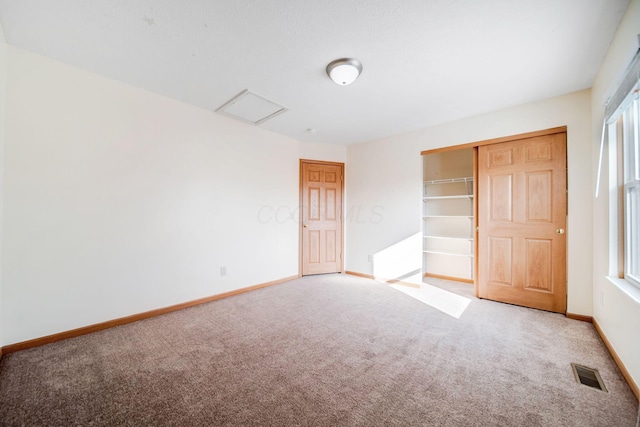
[(624, 177)]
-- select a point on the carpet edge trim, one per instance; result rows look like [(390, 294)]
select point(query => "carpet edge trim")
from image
[(84, 330), (623, 369)]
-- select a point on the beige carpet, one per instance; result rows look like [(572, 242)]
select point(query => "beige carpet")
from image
[(320, 351)]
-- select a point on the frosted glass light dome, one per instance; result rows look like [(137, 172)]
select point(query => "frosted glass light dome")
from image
[(344, 71)]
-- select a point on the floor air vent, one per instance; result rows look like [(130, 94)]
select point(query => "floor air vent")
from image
[(588, 376)]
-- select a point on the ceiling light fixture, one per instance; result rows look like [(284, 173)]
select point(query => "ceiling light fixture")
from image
[(344, 71)]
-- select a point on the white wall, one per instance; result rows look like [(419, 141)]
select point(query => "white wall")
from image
[(324, 152), (385, 176), (3, 71), (119, 201), (616, 308)]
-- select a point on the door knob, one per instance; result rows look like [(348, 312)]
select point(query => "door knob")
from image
[(305, 226), (560, 231)]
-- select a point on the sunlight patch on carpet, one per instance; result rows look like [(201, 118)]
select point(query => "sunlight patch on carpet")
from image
[(447, 302)]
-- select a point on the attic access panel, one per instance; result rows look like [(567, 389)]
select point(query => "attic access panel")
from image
[(251, 108)]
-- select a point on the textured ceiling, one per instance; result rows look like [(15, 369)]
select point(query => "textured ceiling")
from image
[(425, 61)]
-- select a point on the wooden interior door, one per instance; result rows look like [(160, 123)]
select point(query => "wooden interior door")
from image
[(522, 209), (321, 185)]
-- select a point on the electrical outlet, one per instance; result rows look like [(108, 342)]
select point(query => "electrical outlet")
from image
[(223, 270), (370, 258)]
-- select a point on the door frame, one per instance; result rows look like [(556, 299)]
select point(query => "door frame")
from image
[(300, 209), (475, 145)]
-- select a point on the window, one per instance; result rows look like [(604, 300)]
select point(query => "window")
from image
[(622, 124), (624, 148), (631, 186)]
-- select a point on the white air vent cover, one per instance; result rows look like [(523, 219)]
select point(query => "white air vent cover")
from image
[(252, 108)]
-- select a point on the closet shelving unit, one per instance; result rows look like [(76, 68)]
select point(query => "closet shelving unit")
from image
[(448, 228)]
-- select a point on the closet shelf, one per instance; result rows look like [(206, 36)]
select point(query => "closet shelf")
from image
[(469, 239), (447, 216), (450, 180), (448, 253), (460, 196)]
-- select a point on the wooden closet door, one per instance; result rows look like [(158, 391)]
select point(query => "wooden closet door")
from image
[(522, 208)]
